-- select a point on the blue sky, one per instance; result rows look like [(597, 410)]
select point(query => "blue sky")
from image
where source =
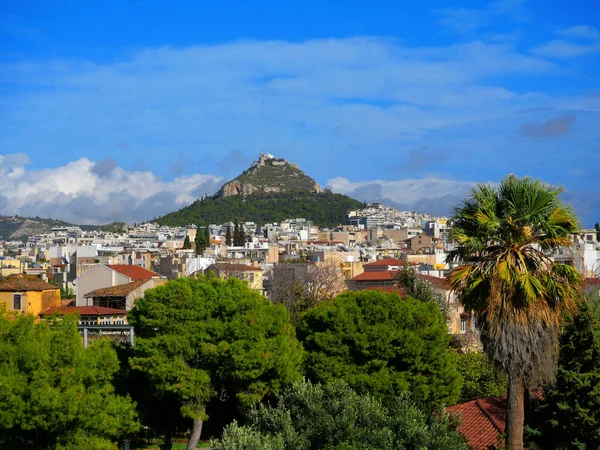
[(120, 110)]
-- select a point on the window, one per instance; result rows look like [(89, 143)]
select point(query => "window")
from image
[(17, 301), (463, 325)]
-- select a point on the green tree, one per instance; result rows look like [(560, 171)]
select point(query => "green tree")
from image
[(333, 416), (236, 232), (199, 338), (408, 279), (228, 240), (200, 242), (519, 294), (569, 415), (207, 236), (187, 244), (381, 345), (480, 377), (54, 392), (239, 236), (597, 227)]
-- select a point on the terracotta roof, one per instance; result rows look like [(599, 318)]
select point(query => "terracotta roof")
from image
[(22, 283), (386, 262), (482, 421), (84, 311), (120, 290), (437, 281), (386, 275), (235, 267), (589, 281), (134, 272)]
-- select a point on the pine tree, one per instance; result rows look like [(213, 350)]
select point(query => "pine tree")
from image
[(228, 236), (187, 244), (207, 236), (569, 416)]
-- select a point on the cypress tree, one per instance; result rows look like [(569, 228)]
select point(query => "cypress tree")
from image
[(207, 236), (187, 244), (228, 236), (200, 243)]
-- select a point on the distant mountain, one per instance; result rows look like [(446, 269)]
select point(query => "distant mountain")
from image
[(271, 190), (18, 228)]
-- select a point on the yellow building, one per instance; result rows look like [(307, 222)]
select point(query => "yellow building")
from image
[(28, 294), (253, 275)]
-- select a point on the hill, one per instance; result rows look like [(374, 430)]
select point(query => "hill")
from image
[(269, 175), (322, 208), (270, 190), (20, 228)]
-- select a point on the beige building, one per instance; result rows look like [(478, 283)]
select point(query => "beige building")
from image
[(101, 276)]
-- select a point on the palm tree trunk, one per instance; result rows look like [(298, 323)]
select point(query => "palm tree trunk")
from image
[(195, 436), (515, 413)]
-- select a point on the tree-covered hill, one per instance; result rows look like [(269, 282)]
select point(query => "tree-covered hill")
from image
[(324, 209)]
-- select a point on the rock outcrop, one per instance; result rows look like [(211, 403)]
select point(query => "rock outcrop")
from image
[(267, 175)]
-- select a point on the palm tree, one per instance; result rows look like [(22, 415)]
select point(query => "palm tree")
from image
[(519, 295)]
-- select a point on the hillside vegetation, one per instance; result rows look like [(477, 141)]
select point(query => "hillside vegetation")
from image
[(324, 209)]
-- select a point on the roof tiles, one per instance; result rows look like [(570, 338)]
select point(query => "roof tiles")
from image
[(134, 272)]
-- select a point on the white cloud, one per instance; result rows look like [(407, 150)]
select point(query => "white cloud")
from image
[(76, 193), (580, 31), (565, 49)]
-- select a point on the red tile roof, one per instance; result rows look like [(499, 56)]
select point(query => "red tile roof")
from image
[(84, 311), (386, 275), (589, 281), (134, 272), (482, 421), (385, 262), (120, 290), (24, 283), (437, 281)]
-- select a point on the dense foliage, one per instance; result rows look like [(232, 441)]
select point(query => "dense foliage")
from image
[(503, 236), (203, 338), (54, 393), (480, 377), (413, 285), (326, 209), (569, 415), (381, 345), (333, 416)]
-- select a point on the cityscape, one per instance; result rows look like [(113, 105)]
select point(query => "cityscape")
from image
[(281, 226)]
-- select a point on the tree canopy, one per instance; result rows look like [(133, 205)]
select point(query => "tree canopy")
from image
[(333, 416), (569, 415), (502, 236), (54, 393), (325, 209), (203, 338), (382, 345)]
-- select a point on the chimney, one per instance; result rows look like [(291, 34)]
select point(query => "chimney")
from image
[(255, 263)]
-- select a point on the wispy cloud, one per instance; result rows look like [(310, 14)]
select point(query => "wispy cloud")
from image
[(576, 41), (466, 20), (557, 126), (565, 49), (580, 31)]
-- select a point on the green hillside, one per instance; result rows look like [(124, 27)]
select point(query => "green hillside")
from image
[(324, 209)]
